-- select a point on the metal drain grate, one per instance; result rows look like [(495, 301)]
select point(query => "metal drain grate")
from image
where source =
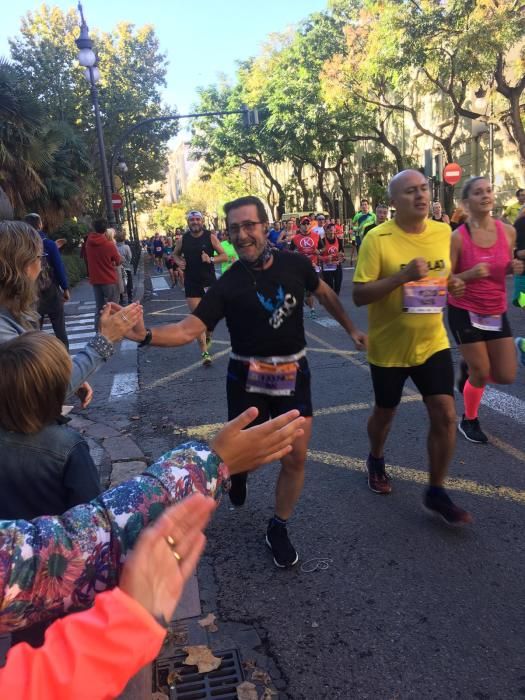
[(220, 684)]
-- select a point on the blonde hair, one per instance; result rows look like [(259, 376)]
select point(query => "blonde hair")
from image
[(35, 370), (110, 234), (20, 245)]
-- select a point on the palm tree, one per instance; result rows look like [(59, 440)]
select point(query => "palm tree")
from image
[(41, 161)]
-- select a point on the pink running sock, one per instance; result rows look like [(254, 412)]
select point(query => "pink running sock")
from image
[(472, 396)]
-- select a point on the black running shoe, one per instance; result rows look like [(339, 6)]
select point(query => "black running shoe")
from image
[(284, 553), (471, 430), (441, 505), (238, 489), (462, 376)]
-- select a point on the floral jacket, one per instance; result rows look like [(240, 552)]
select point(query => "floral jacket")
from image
[(55, 564)]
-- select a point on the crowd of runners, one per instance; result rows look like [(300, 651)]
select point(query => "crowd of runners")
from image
[(411, 269)]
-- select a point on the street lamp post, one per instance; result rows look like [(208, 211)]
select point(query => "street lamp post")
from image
[(88, 59)]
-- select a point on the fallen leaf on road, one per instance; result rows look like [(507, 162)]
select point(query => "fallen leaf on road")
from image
[(260, 676), (247, 691), (159, 696), (249, 665), (202, 657), (268, 694), (177, 637), (135, 417), (208, 623), (173, 677)]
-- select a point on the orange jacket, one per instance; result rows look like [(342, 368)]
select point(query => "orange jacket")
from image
[(89, 655)]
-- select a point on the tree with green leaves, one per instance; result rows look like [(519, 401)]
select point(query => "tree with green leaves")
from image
[(132, 71)]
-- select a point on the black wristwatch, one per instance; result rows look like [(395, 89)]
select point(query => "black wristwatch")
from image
[(147, 338)]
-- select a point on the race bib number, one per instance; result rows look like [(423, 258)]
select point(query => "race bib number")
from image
[(270, 379), (425, 296), (486, 323)]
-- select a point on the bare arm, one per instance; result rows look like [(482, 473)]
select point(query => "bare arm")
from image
[(364, 293), (181, 262), (217, 247), (329, 299), (170, 334)]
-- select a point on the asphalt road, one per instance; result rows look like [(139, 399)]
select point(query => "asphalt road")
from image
[(404, 608)]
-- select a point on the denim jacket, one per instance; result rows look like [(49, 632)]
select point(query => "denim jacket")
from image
[(85, 362), (45, 473)]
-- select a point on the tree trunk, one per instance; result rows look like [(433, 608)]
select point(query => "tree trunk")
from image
[(325, 199), (298, 172), (516, 127), (281, 207), (348, 205)]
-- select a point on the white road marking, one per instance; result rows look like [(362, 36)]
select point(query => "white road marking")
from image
[(159, 283), (504, 403), (78, 336), (76, 346), (326, 322), (124, 383)]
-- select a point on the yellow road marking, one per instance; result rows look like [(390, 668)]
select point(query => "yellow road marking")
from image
[(505, 447), (407, 474), (206, 431), (185, 370)]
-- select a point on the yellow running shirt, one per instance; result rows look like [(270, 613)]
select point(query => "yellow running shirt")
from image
[(401, 332)]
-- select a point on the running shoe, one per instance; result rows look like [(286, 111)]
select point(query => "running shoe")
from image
[(520, 347), (441, 505), (378, 479), (206, 358), (462, 376), (471, 430), (238, 488), (284, 553)]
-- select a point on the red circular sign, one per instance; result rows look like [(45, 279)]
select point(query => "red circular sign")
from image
[(116, 200), (452, 173)]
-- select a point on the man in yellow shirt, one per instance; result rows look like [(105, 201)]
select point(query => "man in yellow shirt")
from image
[(403, 275), (511, 212)]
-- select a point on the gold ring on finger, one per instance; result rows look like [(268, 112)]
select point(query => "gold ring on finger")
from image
[(171, 544)]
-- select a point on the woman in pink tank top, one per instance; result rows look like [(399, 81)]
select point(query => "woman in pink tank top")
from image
[(482, 256)]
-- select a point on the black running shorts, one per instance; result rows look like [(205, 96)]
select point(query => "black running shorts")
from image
[(194, 288), (269, 406), (465, 333), (433, 377)]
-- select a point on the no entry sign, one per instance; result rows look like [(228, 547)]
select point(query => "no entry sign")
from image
[(116, 200), (452, 173)]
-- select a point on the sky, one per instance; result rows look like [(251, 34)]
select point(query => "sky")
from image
[(202, 38)]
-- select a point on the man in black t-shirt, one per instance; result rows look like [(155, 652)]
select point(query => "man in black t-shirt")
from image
[(261, 298), (194, 253)]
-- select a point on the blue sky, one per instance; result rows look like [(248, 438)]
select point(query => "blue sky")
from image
[(202, 38)]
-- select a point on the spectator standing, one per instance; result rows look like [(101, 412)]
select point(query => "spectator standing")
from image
[(127, 268), (102, 257), (46, 466), (53, 287)]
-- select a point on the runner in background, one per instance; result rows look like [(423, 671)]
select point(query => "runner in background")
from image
[(307, 243), (482, 256), (363, 218), (331, 258), (194, 254)]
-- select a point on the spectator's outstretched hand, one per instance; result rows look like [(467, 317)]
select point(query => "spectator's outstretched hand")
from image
[(153, 575), (115, 322), (244, 449)]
